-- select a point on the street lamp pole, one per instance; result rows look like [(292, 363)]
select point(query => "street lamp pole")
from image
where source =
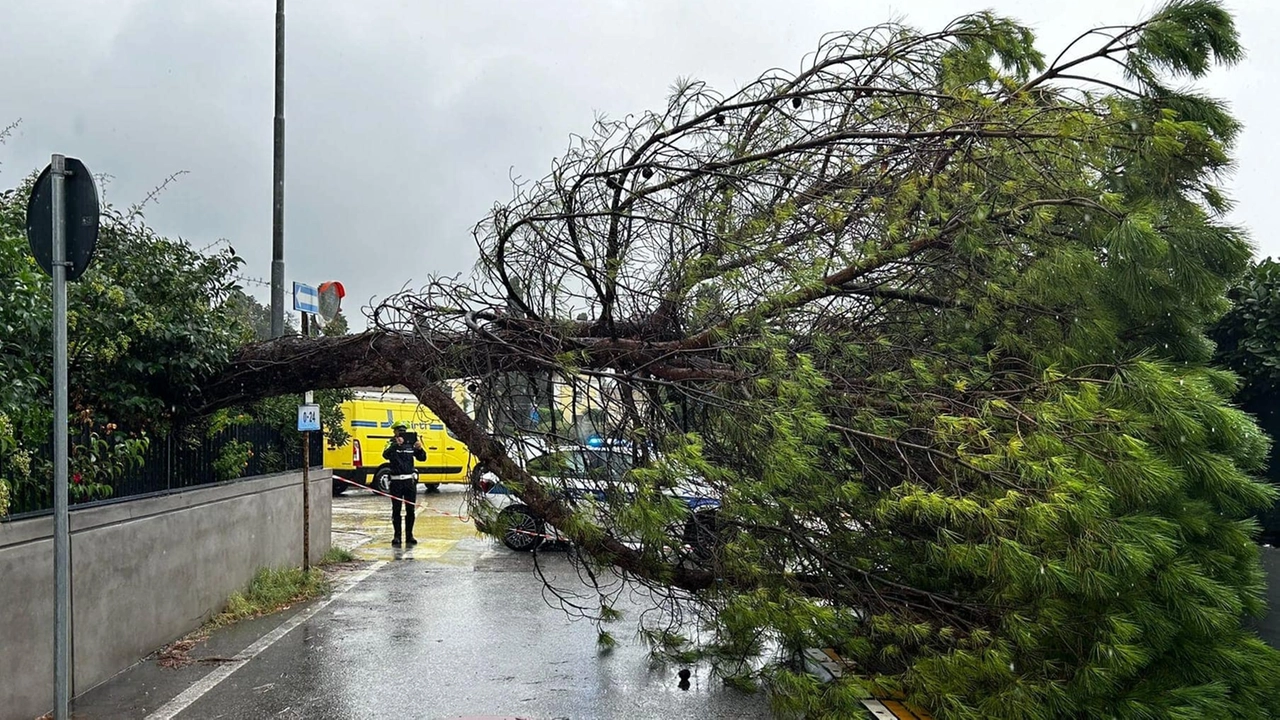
[(277, 194)]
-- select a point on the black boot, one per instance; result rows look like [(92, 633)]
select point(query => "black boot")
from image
[(410, 540), (395, 539)]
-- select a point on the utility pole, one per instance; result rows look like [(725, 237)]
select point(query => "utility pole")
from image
[(277, 194)]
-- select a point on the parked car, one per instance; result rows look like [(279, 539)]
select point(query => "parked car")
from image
[(585, 474)]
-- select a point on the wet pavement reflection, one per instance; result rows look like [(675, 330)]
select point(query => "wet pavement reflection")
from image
[(456, 627)]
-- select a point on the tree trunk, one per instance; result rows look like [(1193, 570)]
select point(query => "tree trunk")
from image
[(296, 364)]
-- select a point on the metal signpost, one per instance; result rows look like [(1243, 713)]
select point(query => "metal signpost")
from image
[(326, 302), (305, 301), (308, 421), (62, 229)]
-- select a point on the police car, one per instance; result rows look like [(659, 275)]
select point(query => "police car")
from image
[(585, 473)]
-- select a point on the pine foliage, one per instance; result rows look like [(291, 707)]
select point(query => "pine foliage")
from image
[(929, 317)]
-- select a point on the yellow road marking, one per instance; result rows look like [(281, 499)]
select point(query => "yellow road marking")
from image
[(380, 549), (437, 534)]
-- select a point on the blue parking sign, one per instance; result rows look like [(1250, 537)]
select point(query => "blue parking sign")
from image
[(308, 418)]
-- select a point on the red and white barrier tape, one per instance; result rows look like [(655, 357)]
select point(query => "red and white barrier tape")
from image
[(433, 511), (420, 506)]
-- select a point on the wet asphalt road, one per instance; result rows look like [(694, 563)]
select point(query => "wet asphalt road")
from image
[(456, 627)]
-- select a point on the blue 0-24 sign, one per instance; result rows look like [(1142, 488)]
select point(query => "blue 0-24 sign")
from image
[(308, 418)]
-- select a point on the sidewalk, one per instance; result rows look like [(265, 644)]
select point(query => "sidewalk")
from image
[(145, 690)]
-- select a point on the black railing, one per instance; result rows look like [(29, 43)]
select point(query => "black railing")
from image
[(175, 462)]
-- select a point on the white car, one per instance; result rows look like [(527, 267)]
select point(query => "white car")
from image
[(587, 473)]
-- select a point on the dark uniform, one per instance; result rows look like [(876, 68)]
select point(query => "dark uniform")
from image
[(404, 485)]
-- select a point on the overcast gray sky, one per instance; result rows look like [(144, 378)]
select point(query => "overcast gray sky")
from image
[(406, 120)]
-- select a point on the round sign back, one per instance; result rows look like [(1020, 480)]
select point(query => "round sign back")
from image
[(81, 215)]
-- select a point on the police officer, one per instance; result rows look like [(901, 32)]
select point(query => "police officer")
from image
[(404, 482)]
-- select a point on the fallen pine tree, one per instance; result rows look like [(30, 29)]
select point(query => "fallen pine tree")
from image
[(928, 317)]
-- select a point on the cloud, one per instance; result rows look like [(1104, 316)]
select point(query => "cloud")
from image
[(407, 120)]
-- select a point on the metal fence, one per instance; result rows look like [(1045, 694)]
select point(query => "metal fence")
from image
[(1268, 418), (176, 462)]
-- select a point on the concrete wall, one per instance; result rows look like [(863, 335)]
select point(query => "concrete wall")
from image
[(144, 572)]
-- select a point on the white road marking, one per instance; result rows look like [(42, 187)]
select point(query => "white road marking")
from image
[(879, 711), (187, 697)]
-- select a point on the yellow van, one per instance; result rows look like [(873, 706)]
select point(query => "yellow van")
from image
[(368, 419)]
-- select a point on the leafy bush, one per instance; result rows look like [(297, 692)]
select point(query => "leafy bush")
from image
[(145, 322)]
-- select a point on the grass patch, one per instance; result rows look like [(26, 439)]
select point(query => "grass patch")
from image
[(272, 590), (337, 555), (268, 591)]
